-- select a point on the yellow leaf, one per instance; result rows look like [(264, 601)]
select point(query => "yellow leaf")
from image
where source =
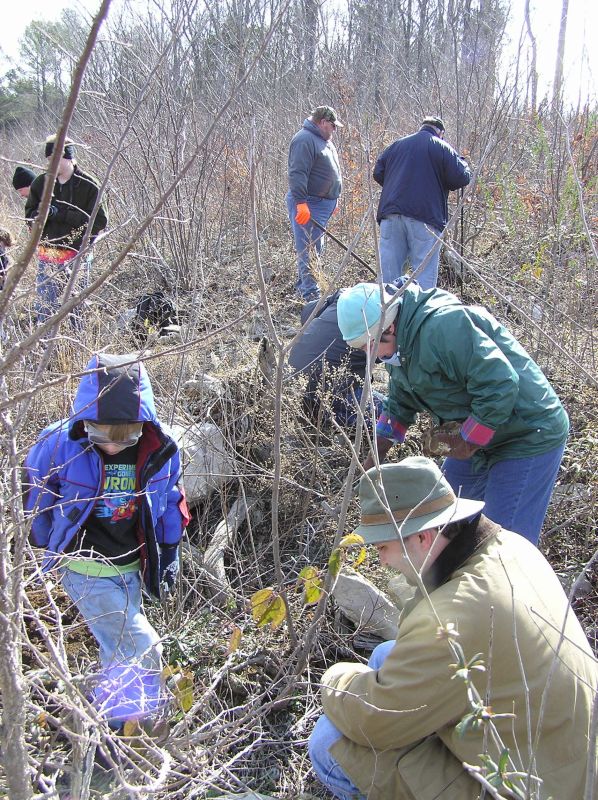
[(312, 592), (131, 728), (350, 539), (309, 579), (307, 574), (361, 556), (267, 608), (235, 640), (168, 672), (183, 691)]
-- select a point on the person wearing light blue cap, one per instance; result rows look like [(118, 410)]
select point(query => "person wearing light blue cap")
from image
[(500, 423)]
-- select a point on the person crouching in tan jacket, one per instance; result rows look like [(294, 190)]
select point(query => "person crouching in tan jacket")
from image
[(491, 678)]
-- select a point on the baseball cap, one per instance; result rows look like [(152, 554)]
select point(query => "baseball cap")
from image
[(327, 113), (359, 312)]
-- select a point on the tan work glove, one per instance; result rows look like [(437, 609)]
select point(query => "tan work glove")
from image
[(446, 440)]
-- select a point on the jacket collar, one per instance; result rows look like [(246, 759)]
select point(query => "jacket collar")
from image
[(455, 554), (313, 128), (459, 550)]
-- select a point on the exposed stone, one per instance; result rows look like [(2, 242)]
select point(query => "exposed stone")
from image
[(207, 462), (365, 605), (209, 387), (244, 796)]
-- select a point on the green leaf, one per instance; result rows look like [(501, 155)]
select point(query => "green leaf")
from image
[(335, 561), (503, 761), (464, 725)]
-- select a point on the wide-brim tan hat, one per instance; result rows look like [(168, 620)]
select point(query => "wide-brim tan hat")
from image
[(418, 497)]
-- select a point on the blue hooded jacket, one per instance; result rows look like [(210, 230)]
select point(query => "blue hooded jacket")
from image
[(64, 473)]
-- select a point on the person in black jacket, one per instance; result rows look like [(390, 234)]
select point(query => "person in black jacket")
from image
[(416, 174), (73, 201), (22, 179), (331, 367)]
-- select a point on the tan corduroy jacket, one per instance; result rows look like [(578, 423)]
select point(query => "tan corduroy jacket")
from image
[(400, 740)]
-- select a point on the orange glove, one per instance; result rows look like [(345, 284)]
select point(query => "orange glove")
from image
[(303, 214)]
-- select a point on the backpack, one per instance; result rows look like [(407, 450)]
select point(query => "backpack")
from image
[(155, 314)]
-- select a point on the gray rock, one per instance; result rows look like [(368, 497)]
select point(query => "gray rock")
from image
[(207, 461), (206, 386), (365, 605), (399, 591)]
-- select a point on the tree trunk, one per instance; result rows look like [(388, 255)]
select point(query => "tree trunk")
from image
[(533, 77), (557, 87)]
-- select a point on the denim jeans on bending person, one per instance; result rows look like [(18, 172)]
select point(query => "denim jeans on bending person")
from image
[(516, 491), (325, 734), (130, 649), (308, 239), (402, 240)]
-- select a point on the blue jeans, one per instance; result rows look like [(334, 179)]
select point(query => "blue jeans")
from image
[(346, 410), (307, 239), (325, 734), (130, 649), (49, 283), (53, 273), (405, 239), (516, 491)]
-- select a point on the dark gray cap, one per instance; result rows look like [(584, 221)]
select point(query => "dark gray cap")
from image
[(435, 121)]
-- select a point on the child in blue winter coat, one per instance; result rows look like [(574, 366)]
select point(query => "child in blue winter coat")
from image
[(102, 491)]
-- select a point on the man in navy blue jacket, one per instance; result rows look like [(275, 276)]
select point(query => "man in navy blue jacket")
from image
[(416, 174), (315, 185)]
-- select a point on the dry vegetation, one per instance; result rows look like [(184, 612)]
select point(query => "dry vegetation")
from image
[(185, 114)]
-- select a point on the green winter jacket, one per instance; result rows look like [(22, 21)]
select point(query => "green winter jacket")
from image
[(460, 364)]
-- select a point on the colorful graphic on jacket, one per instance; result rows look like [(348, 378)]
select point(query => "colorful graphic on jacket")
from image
[(119, 501)]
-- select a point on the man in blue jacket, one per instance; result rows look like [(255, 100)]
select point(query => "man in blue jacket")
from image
[(315, 185), (416, 174), (102, 491)]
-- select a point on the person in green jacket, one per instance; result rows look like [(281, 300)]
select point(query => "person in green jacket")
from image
[(499, 422), (490, 664)]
